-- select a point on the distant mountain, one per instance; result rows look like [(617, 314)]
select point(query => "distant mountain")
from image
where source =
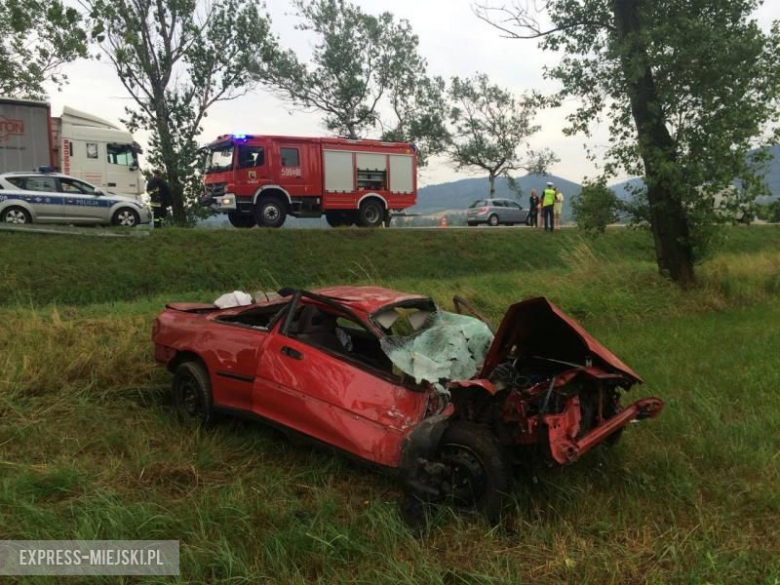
[(772, 179), (458, 195)]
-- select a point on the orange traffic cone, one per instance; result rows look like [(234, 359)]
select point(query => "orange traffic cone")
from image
[(443, 222)]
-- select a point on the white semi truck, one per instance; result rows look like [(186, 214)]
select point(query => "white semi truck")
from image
[(77, 144)]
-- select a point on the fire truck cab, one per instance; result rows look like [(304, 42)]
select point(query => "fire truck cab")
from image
[(260, 180)]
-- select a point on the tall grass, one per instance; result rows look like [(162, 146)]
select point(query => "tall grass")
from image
[(89, 447)]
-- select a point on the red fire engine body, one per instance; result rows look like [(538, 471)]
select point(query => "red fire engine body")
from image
[(260, 180)]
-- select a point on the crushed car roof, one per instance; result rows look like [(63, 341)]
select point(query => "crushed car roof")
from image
[(368, 299)]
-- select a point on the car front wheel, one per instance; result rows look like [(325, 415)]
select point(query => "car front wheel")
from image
[(125, 217), (16, 215), (478, 471), (192, 397), (493, 220)]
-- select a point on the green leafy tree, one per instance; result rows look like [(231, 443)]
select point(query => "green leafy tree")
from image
[(38, 38), (176, 59), (688, 88), (595, 207), (366, 76), (488, 128)]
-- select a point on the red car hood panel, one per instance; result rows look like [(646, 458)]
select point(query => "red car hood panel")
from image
[(539, 328)]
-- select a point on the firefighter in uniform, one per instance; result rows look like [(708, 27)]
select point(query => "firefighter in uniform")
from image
[(548, 203), (160, 194)]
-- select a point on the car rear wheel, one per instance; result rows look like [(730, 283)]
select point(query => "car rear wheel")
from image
[(16, 215), (371, 213), (241, 220), (479, 473), (493, 220), (192, 394), (271, 212), (125, 217)]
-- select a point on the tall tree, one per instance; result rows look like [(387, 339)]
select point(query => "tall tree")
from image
[(37, 37), (688, 87), (366, 76), (489, 126), (176, 59)]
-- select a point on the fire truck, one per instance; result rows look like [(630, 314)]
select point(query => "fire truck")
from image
[(260, 180)]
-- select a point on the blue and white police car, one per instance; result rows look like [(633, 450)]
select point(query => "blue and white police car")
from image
[(40, 197)]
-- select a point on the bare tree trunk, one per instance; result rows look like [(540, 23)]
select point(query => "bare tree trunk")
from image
[(668, 218), (492, 183)]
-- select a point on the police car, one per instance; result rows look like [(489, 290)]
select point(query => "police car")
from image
[(41, 197)]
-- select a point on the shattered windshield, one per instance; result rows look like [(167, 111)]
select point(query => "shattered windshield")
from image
[(220, 159), (438, 346)]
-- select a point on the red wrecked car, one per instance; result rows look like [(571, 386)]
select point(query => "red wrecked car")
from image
[(394, 380)]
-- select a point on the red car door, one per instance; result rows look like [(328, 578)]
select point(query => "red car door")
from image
[(232, 360), (335, 400)]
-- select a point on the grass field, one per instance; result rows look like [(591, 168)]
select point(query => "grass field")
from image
[(89, 448)]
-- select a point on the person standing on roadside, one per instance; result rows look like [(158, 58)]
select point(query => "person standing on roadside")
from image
[(160, 194), (548, 201), (533, 208), (558, 208)]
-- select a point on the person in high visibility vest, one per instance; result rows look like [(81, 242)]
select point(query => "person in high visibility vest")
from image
[(160, 194), (548, 203)]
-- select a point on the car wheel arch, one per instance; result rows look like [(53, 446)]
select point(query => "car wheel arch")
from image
[(22, 205), (183, 356)]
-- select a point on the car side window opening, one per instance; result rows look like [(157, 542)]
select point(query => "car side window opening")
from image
[(337, 333), (513, 204), (34, 183), (499, 204), (255, 317), (250, 156), (479, 203), (74, 186), (290, 157)]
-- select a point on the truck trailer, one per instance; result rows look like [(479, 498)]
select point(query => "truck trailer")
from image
[(260, 180), (76, 143)]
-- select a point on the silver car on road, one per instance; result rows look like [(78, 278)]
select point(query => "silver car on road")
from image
[(496, 212), (56, 198)]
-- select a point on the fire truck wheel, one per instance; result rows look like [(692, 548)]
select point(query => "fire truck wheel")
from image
[(271, 212), (241, 220), (371, 213), (480, 472), (337, 218)]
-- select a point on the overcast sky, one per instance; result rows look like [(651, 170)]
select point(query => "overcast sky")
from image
[(453, 41)]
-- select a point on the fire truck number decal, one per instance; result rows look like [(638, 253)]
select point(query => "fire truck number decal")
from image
[(291, 171)]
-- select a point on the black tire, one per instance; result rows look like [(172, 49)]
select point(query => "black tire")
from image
[(482, 474), (371, 213), (271, 211), (337, 218), (125, 217), (493, 220), (241, 220), (192, 397), (15, 215)]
